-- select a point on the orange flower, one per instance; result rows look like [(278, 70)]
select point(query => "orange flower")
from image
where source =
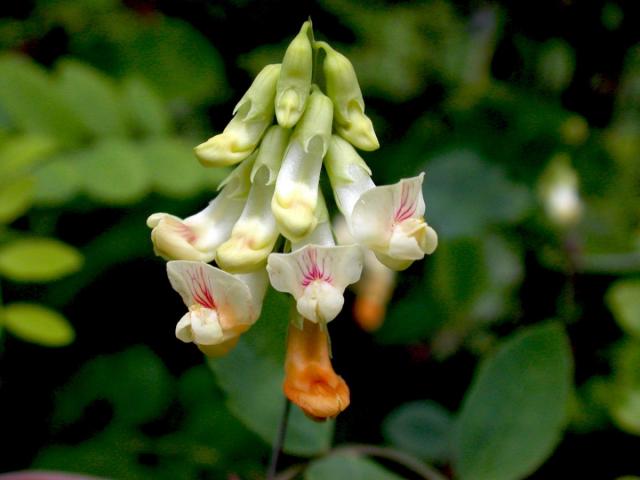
[(310, 380)]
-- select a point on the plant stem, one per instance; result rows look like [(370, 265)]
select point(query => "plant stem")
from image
[(411, 463), (279, 442)]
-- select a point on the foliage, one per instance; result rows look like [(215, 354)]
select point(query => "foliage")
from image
[(97, 130)]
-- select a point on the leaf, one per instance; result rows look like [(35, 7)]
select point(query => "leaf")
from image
[(58, 181), (624, 392), (15, 199), (37, 324), (422, 428), (38, 259), (516, 408), (623, 299), (135, 382), (33, 104), (92, 97), (169, 53), (465, 195), (347, 466), (176, 172), (20, 153), (146, 111), (252, 375), (114, 172)]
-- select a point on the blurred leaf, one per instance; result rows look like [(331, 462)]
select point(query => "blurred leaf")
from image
[(590, 406), (347, 466), (19, 153), (30, 97), (623, 298), (528, 382), (92, 97), (139, 392), (146, 111), (15, 199), (422, 428), (624, 392), (252, 375), (58, 181), (556, 65), (176, 172), (465, 195), (114, 172), (173, 56), (37, 324), (38, 259)]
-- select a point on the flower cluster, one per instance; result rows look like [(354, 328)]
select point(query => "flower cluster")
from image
[(274, 191)]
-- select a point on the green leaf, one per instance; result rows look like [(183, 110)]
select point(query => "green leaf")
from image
[(92, 97), (422, 428), (252, 376), (15, 199), (19, 153), (176, 172), (33, 103), (466, 195), (178, 60), (114, 172), (514, 412), (624, 392), (135, 383), (623, 298), (37, 324), (38, 259), (58, 181), (146, 111), (347, 466)]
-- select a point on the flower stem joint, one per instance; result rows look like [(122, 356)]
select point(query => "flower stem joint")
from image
[(284, 129)]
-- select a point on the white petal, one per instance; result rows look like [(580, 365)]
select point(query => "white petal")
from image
[(320, 302), (316, 276), (173, 239), (205, 286), (183, 328), (379, 209), (206, 327)]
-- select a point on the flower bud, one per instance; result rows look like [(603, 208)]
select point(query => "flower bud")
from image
[(344, 90), (252, 116), (295, 78), (296, 194)]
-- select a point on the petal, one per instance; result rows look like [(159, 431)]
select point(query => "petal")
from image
[(205, 286), (173, 239), (183, 328), (378, 210), (316, 276), (205, 326)]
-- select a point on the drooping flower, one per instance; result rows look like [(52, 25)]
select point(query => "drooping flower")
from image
[(387, 219), (316, 276), (296, 194), (197, 237), (252, 116), (295, 78), (255, 233), (344, 90), (310, 381), (221, 306)]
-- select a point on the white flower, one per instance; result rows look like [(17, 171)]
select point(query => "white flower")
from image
[(316, 276), (255, 233), (197, 237), (221, 306), (296, 194), (388, 219), (252, 116), (342, 87)]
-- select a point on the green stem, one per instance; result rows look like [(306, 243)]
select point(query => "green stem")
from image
[(408, 461), (279, 442)]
